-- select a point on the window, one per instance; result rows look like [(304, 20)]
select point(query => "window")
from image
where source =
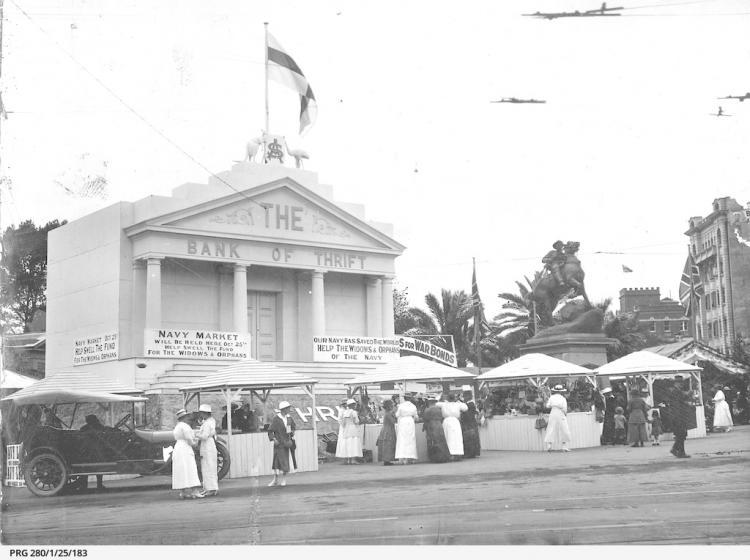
[(666, 326), (723, 295), (708, 301), (683, 326), (725, 326), (652, 326)]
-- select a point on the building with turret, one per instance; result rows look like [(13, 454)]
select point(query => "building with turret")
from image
[(722, 255), (662, 318)]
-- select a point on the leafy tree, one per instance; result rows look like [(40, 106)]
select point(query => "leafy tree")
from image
[(403, 320), (23, 273), (448, 316)]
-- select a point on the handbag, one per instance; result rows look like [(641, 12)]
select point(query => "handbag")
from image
[(540, 423)]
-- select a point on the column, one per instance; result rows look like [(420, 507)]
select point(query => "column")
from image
[(239, 302), (387, 305), (137, 307), (153, 293), (225, 302), (374, 307), (318, 304)]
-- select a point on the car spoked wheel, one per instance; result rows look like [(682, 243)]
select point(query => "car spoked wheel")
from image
[(222, 460), (45, 474)]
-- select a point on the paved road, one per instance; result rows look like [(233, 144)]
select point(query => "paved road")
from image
[(596, 496)]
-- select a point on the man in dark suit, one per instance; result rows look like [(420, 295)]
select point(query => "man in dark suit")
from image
[(681, 415)]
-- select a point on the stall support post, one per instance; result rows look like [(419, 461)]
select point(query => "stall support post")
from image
[(314, 420), (228, 398), (700, 387)]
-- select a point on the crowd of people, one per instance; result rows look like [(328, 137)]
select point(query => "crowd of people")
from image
[(450, 426), (195, 430)]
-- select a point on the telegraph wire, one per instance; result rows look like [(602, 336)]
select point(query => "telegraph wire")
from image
[(131, 109)]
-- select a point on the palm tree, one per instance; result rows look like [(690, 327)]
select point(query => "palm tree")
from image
[(516, 319), (450, 316)]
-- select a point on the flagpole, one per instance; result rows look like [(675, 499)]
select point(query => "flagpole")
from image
[(265, 27), (477, 319)]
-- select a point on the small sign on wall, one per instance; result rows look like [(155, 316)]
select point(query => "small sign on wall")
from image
[(354, 349), (93, 349), (196, 344)]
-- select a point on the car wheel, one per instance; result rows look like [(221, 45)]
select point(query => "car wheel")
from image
[(45, 474), (222, 460)]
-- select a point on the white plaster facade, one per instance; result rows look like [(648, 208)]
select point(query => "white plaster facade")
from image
[(276, 258)]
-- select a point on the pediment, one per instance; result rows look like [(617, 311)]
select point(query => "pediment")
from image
[(283, 210)]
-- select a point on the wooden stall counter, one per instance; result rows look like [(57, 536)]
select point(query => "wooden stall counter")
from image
[(518, 433), (370, 432), (252, 453)]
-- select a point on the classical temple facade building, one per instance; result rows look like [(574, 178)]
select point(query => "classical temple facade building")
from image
[(255, 264), (720, 251)]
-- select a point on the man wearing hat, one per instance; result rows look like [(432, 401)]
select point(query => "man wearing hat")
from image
[(558, 432), (554, 260), (281, 432), (184, 470), (679, 412), (209, 458)]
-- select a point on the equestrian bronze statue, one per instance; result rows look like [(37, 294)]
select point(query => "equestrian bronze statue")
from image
[(563, 278)]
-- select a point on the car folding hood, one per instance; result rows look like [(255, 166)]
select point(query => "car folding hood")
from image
[(60, 396)]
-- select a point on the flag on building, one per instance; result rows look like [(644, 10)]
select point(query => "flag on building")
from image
[(690, 285), (283, 69), (479, 320), (626, 269)]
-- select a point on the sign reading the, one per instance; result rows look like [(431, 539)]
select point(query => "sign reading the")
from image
[(354, 349), (92, 349), (205, 345), (428, 350)]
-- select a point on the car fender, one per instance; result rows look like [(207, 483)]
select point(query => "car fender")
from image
[(44, 449)]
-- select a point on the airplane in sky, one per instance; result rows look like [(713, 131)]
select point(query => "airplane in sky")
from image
[(740, 97), (720, 113), (516, 100), (600, 12)]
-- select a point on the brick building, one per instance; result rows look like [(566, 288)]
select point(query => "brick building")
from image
[(723, 261), (662, 318)]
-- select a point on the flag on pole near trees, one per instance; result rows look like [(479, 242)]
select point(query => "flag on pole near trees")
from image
[(283, 69), (479, 320), (626, 268)]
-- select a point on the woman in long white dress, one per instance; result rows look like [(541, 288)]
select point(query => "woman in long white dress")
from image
[(351, 445), (452, 425), (209, 457), (558, 432), (722, 414), (406, 436), (184, 470)]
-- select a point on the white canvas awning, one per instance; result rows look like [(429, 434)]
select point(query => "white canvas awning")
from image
[(251, 375), (411, 368), (13, 380), (50, 397), (644, 363), (71, 383), (531, 366)]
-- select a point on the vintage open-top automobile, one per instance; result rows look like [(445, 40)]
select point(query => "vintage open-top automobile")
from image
[(62, 445)]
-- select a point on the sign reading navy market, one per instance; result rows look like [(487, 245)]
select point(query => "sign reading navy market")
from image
[(196, 344), (428, 350)]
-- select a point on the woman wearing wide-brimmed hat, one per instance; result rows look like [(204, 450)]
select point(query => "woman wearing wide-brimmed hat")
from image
[(722, 414), (351, 444), (281, 432), (184, 470), (637, 419), (209, 457), (558, 432)]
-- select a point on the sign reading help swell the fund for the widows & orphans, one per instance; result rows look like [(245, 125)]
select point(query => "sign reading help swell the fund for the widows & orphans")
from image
[(97, 348), (196, 344)]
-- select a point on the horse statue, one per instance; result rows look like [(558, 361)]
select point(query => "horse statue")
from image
[(548, 291)]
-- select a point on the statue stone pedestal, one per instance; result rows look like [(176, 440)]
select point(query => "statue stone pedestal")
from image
[(582, 349)]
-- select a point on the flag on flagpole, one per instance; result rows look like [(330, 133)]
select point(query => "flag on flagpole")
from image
[(626, 269), (690, 285), (479, 320), (283, 69)]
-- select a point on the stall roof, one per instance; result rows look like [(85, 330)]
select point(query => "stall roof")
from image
[(645, 362), (75, 382), (533, 365), (250, 374), (410, 368), (13, 380), (67, 396), (690, 350)]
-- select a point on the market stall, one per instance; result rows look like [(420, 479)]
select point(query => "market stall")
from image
[(516, 394), (399, 372), (252, 453), (653, 373)]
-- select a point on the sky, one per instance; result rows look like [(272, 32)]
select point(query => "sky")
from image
[(151, 95)]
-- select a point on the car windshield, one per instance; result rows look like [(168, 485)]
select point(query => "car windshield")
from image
[(76, 416)]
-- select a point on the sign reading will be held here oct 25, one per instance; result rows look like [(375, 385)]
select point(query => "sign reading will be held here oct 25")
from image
[(196, 344)]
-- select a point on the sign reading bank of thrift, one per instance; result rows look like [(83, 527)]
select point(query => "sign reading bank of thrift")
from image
[(354, 349), (97, 348), (196, 344)]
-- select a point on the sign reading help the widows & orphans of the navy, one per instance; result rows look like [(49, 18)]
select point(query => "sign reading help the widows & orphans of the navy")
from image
[(98, 348), (196, 344), (354, 349)]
